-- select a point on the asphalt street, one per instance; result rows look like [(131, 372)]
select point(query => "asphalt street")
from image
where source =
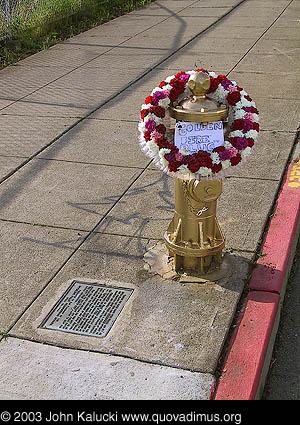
[(283, 382)]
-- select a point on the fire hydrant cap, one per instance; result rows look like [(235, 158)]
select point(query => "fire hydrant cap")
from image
[(199, 107)]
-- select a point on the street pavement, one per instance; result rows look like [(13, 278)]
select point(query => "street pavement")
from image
[(283, 379), (80, 201)]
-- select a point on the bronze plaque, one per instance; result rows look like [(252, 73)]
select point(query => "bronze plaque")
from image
[(87, 309)]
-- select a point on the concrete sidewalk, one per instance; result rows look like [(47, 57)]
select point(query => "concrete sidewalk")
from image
[(79, 200)]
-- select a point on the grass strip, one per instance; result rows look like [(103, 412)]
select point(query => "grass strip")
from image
[(38, 26)]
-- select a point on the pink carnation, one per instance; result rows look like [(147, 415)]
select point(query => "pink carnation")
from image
[(248, 125), (184, 78), (150, 125), (158, 95), (224, 155), (249, 116), (241, 143), (232, 88), (233, 152), (179, 156), (156, 135)]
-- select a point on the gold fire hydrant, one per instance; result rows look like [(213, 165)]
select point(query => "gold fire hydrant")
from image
[(194, 237)]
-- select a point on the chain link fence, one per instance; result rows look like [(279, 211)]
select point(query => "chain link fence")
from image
[(19, 15)]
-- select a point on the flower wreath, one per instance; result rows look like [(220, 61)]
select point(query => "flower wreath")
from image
[(157, 142)]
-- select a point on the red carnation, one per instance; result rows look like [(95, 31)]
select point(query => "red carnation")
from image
[(147, 135), (219, 149), (248, 98), (233, 98), (233, 141), (162, 84), (177, 84), (173, 95), (250, 142), (144, 113), (251, 109), (159, 111), (216, 168), (162, 143), (173, 166), (204, 159), (202, 70), (237, 125), (148, 100), (214, 82), (256, 126), (194, 165), (161, 129), (171, 146), (236, 159), (179, 74), (222, 77)]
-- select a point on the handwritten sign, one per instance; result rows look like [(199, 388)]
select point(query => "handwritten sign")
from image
[(196, 136), (294, 178)]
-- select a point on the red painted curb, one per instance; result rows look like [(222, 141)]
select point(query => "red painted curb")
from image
[(249, 353), (243, 366), (271, 268)]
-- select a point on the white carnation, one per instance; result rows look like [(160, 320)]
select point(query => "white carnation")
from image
[(243, 103), (184, 151), (239, 114), (225, 164), (204, 172), (212, 74), (227, 144), (142, 127), (164, 102), (149, 117), (219, 94), (163, 152), (168, 79), (156, 89), (252, 134), (183, 169), (152, 146), (164, 162), (215, 158), (246, 152), (167, 87), (236, 133)]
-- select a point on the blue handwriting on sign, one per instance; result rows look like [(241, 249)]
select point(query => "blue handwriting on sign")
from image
[(184, 129)]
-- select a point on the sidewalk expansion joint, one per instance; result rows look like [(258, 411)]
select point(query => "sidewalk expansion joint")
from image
[(91, 163), (113, 96), (67, 347), (83, 240), (259, 38)]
